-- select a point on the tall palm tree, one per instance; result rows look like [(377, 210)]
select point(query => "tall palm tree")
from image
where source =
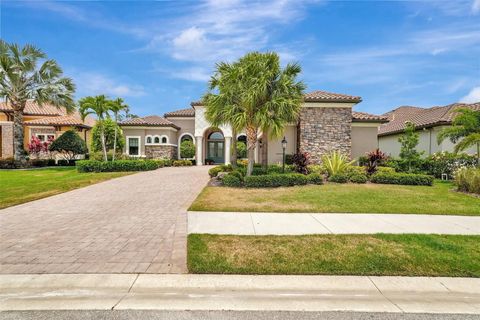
[(465, 131), (117, 107), (27, 74), (100, 106), (258, 95)]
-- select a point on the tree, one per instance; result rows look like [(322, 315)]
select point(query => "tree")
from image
[(99, 106), (409, 141), (69, 144), (465, 131), (27, 74), (117, 107), (255, 94), (109, 127), (187, 149)]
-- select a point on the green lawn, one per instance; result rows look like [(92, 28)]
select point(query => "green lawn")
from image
[(341, 198), (380, 254), (19, 186)]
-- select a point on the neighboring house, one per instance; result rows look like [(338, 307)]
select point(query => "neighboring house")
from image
[(45, 122), (428, 122), (326, 123)]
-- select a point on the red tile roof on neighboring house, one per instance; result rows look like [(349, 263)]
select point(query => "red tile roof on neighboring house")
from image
[(368, 117), (33, 109), (421, 117), (189, 112), (58, 121), (149, 121)]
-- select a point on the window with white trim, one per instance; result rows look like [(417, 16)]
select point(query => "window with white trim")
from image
[(164, 140), (45, 136), (148, 140), (156, 140), (134, 146)]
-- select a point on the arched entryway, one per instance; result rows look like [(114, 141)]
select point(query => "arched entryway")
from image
[(215, 146)]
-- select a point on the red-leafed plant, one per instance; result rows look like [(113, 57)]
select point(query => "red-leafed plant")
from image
[(300, 162), (375, 158), (37, 147)]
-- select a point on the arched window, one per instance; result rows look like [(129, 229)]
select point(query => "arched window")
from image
[(164, 140), (215, 136), (156, 140), (149, 139), (186, 137), (242, 138)]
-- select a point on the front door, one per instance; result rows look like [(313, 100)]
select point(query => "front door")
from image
[(215, 151)]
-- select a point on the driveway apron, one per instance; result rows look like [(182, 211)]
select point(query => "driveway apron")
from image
[(132, 224)]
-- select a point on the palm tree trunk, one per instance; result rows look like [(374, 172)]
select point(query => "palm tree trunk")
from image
[(234, 149), (104, 147), (251, 141), (18, 133), (265, 150), (114, 142)]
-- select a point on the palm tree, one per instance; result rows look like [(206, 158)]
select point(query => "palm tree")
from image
[(255, 94), (117, 106), (100, 106), (465, 131), (23, 77)]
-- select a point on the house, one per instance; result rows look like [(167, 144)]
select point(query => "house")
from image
[(45, 122), (327, 122), (429, 122)]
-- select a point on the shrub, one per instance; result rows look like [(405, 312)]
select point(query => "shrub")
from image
[(109, 126), (116, 166), (316, 168), (187, 149), (314, 178), (402, 178), (276, 180), (38, 163), (163, 162), (468, 180), (289, 159), (336, 163), (181, 163), (338, 178), (301, 162), (385, 170), (374, 159), (237, 173), (69, 144), (241, 150), (447, 163), (242, 163), (354, 170), (213, 172), (232, 180), (99, 156), (358, 178), (66, 163)]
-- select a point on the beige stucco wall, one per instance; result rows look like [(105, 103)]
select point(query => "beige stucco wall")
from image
[(364, 139), (186, 126), (275, 151), (143, 132), (427, 143)]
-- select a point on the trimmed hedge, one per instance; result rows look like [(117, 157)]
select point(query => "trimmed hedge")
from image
[(338, 178), (402, 178), (314, 178), (232, 180), (182, 163), (358, 178), (213, 172), (116, 166), (163, 162), (468, 180), (276, 180)]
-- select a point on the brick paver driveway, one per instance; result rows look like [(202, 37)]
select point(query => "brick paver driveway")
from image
[(133, 224)]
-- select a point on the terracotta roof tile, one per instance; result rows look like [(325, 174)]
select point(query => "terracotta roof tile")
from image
[(189, 112), (421, 117), (368, 117), (33, 109), (324, 96), (58, 121), (149, 121)]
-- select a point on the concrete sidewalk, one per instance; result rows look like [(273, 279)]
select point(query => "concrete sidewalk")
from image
[(257, 223), (222, 292)]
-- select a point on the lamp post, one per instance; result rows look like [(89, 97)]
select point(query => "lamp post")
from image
[(284, 146)]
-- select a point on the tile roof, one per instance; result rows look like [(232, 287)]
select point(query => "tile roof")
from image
[(33, 109), (368, 117), (149, 121), (421, 117), (189, 112), (324, 96), (58, 121)]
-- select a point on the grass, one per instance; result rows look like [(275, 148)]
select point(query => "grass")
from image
[(19, 186), (342, 198), (380, 254)]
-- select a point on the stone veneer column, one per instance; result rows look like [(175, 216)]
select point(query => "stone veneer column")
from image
[(324, 129), (228, 146), (198, 154), (7, 139)]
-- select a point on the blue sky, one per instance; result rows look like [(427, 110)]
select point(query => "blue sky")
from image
[(158, 55)]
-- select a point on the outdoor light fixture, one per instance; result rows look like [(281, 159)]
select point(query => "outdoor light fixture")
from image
[(284, 146)]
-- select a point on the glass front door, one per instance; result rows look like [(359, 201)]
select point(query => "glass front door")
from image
[(215, 151)]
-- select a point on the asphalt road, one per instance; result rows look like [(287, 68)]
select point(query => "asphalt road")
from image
[(223, 315)]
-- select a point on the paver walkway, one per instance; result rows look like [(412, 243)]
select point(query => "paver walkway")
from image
[(132, 224), (245, 223)]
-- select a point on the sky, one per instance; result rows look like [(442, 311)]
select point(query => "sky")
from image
[(159, 55)]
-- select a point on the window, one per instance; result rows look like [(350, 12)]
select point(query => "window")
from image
[(215, 136), (45, 137), (156, 140), (133, 146), (149, 139), (164, 140), (186, 137)]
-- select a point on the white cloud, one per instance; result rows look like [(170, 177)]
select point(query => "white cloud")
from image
[(193, 74), (92, 83), (473, 96), (475, 6)]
